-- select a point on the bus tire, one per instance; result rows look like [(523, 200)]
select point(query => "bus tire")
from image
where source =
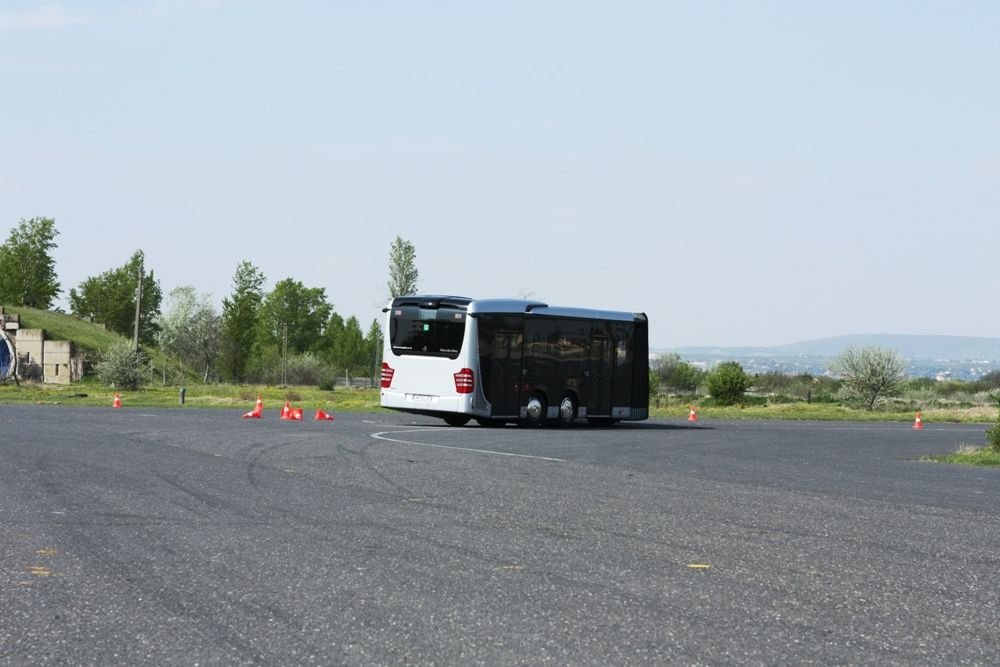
[(567, 410), (457, 420), (536, 410)]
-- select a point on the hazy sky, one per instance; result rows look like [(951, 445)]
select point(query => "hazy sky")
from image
[(747, 173)]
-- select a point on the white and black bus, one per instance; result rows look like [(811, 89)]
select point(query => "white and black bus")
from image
[(505, 360)]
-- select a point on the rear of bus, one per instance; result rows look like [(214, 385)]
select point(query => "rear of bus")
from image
[(426, 367)]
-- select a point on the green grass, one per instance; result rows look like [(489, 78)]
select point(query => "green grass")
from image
[(969, 455), (88, 337), (235, 397), (197, 395), (59, 326), (822, 412)]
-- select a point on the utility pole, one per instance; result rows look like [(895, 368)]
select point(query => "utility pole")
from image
[(284, 355), (138, 302)]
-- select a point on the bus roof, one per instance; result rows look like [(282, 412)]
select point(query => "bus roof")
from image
[(511, 307)]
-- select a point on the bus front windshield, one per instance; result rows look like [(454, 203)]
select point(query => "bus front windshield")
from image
[(427, 332)]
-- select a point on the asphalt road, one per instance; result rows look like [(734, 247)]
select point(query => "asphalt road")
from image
[(186, 537)]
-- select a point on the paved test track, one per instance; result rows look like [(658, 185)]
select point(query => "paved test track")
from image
[(161, 537)]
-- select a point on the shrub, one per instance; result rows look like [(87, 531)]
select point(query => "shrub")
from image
[(728, 383), (122, 367), (305, 369), (678, 375), (993, 434), (919, 385), (991, 380)]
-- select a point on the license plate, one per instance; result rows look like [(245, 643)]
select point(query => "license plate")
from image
[(421, 398)]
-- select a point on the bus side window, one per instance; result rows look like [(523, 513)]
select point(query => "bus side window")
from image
[(621, 347)]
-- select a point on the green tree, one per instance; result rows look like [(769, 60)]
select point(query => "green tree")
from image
[(869, 374), (332, 333), (303, 310), (373, 345), (27, 270), (239, 320), (402, 268), (190, 329), (110, 298), (352, 346), (346, 347), (728, 383), (677, 375)]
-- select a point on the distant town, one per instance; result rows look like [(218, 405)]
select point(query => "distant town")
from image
[(939, 357), (819, 366)]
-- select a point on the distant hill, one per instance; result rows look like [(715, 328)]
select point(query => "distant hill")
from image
[(910, 347)]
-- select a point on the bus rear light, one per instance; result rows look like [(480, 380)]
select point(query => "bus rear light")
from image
[(465, 381), (387, 373)]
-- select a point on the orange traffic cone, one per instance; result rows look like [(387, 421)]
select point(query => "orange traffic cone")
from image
[(918, 423), (322, 416), (295, 414), (286, 412), (693, 415), (117, 402), (258, 410)]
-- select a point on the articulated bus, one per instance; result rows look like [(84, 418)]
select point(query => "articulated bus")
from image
[(504, 360)]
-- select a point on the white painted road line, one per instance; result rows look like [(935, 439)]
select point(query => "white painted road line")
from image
[(382, 436)]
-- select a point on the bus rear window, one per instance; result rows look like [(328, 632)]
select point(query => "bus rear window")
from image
[(428, 332)]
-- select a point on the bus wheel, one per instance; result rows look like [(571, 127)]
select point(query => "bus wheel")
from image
[(567, 410), (457, 420), (536, 410)]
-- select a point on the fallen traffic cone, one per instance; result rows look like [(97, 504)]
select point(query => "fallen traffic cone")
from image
[(258, 410), (918, 423), (286, 412), (117, 402), (322, 416), (295, 414), (693, 415)]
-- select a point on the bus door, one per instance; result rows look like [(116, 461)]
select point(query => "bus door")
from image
[(597, 376), (505, 377)]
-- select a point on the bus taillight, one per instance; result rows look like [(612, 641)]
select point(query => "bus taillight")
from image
[(465, 381), (387, 373)]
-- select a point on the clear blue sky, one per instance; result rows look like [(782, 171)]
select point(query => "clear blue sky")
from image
[(747, 173)]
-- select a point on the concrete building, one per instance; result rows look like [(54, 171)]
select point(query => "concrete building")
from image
[(35, 358)]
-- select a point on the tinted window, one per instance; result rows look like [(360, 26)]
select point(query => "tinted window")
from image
[(427, 331)]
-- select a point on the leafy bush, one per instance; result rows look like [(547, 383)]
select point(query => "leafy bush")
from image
[(678, 375), (918, 385), (990, 381), (122, 367), (993, 434), (728, 383), (305, 369)]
